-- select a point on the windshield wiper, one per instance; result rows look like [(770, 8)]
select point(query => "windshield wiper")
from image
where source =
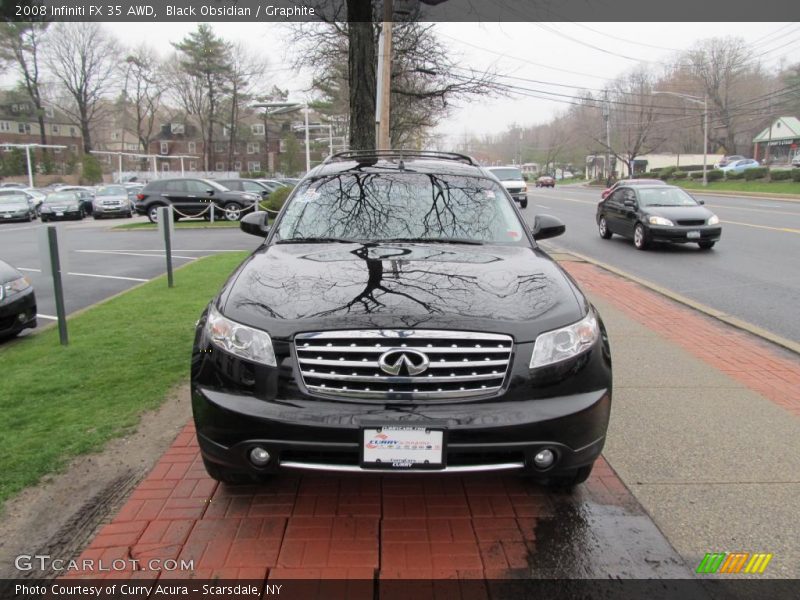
[(315, 240), (434, 241)]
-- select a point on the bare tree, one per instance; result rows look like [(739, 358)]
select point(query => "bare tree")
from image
[(83, 58), (145, 87)]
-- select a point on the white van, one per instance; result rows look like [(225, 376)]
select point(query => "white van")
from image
[(512, 180)]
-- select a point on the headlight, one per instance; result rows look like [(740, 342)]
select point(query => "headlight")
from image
[(245, 342), (564, 343), (16, 286), (249, 197), (660, 221), (713, 220), (524, 188), (45, 208)]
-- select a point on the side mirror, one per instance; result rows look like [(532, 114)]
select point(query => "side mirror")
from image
[(255, 223), (629, 203), (210, 192), (700, 202), (545, 226)]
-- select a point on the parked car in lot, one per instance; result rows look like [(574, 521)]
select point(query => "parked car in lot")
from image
[(62, 205), (630, 182), (253, 186), (796, 161), (657, 213), (739, 166), (13, 185), (513, 181), (274, 184), (290, 181), (111, 201), (726, 160), (546, 181), (192, 197), (400, 319), (17, 302), (85, 194), (16, 206), (34, 196)]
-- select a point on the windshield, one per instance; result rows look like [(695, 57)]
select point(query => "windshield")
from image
[(665, 197), (61, 197), (111, 190), (507, 174), (13, 199), (401, 207)]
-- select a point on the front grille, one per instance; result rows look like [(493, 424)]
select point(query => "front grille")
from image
[(515, 190), (691, 222), (346, 363)]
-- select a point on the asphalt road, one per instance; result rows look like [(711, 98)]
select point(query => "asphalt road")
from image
[(102, 262), (753, 273)]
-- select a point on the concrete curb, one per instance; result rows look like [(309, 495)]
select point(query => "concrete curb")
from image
[(707, 310)]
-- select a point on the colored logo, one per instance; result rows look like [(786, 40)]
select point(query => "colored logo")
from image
[(734, 562)]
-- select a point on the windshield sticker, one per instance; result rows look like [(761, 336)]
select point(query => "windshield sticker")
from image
[(488, 193)]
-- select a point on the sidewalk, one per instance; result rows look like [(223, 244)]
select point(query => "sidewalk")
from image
[(702, 456)]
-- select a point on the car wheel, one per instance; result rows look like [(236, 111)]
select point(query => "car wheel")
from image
[(567, 482), (96, 217), (706, 245), (602, 228), (130, 214), (523, 204), (81, 214), (44, 219), (640, 237), (152, 213), (229, 476), (233, 211)]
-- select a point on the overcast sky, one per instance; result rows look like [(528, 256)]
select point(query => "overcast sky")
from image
[(597, 52)]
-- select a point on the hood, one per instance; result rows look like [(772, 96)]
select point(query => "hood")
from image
[(514, 183), (678, 212), (8, 273), (13, 206), (114, 198), (289, 288)]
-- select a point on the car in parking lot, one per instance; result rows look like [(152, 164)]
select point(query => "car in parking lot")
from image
[(111, 201), (192, 197), (253, 186), (400, 317), (629, 182), (513, 181), (657, 213), (796, 160), (546, 181), (85, 195), (16, 206), (35, 197), (726, 160), (17, 302), (739, 166), (62, 205)]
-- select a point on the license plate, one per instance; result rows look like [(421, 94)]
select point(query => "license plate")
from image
[(693, 235), (7, 216), (59, 214), (394, 447)]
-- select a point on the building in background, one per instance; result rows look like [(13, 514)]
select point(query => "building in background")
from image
[(780, 142)]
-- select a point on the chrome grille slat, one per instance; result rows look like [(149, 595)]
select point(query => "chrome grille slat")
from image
[(345, 363)]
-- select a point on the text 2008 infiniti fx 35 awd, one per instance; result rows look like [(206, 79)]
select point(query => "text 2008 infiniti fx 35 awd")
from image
[(399, 317)]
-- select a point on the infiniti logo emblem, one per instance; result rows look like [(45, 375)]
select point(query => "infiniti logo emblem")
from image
[(393, 361)]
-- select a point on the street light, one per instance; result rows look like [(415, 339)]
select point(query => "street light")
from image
[(287, 107), (704, 103)]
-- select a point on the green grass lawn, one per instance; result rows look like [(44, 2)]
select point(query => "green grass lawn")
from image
[(740, 185), (180, 225), (124, 357)]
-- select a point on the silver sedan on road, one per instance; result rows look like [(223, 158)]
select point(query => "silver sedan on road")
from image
[(111, 201)]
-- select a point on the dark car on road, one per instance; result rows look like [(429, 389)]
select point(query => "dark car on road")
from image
[(546, 181), (399, 316), (16, 207), (193, 198), (657, 213), (62, 205), (17, 302), (629, 182)]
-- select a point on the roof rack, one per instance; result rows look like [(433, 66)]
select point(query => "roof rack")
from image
[(366, 155)]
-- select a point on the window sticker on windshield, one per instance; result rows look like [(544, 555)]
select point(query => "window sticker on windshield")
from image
[(309, 195), (488, 193)]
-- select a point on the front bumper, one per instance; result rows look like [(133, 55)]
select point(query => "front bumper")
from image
[(8, 218), (326, 435), (17, 312), (111, 210), (67, 214), (682, 234)]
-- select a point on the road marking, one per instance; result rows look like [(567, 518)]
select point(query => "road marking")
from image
[(91, 275), (122, 253), (758, 210), (784, 229), (20, 228), (41, 316), (542, 206)]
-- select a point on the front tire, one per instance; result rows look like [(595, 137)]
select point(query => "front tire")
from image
[(640, 238), (233, 211), (706, 245), (603, 230), (152, 213), (523, 204), (568, 481)]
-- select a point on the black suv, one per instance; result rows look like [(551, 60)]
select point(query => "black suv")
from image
[(193, 198), (399, 316)]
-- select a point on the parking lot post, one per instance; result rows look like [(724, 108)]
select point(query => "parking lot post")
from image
[(53, 259), (211, 208), (165, 221)]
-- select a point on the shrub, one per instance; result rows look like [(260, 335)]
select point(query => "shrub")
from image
[(276, 199), (679, 175), (696, 175), (780, 175), (733, 175), (713, 175), (666, 173), (755, 173), (796, 175), (91, 171)]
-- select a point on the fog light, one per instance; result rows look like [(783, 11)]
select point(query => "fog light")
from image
[(259, 457), (21, 317), (543, 459)]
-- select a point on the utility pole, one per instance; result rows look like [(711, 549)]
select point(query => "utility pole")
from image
[(383, 104), (607, 117), (705, 140)]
